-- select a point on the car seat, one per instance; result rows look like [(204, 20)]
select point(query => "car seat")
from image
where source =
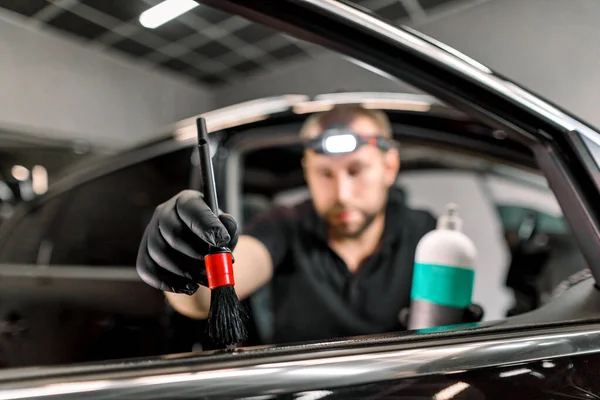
[(254, 205), (260, 301), (475, 194), (290, 198)]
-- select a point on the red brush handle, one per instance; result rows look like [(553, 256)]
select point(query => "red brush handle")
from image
[(219, 269)]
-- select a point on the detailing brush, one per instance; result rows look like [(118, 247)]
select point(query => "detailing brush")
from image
[(227, 317)]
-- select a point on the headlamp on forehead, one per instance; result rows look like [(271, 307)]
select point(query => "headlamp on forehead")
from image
[(341, 140)]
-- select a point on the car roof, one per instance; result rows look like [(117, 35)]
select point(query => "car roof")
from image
[(246, 115), (263, 108)]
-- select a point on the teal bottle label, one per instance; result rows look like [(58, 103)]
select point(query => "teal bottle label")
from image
[(443, 285)]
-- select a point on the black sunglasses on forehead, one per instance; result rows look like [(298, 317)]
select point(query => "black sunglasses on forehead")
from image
[(341, 140)]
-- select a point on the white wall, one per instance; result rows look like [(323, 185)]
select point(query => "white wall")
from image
[(54, 86), (548, 46), (325, 73)]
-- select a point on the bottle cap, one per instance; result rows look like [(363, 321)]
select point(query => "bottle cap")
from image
[(450, 219)]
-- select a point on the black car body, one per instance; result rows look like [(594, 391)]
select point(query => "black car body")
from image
[(550, 352)]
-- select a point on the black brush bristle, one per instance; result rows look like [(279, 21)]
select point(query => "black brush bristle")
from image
[(227, 317)]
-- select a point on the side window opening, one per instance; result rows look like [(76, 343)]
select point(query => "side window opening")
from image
[(23, 243), (101, 222), (106, 218), (516, 274)]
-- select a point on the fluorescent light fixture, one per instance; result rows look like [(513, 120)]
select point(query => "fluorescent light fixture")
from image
[(514, 372), (165, 11), (20, 173), (314, 395), (548, 364), (39, 177), (451, 391)]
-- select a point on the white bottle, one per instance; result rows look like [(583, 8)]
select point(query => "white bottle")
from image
[(444, 274)]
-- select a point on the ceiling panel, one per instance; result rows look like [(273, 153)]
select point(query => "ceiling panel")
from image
[(429, 4), (393, 11), (214, 49), (24, 7), (132, 47), (207, 45), (73, 23), (124, 10)]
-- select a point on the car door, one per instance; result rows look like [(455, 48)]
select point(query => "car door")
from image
[(497, 361)]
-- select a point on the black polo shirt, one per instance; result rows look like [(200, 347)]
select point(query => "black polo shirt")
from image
[(313, 295)]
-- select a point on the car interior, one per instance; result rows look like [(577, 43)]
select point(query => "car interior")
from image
[(508, 210), (524, 246)]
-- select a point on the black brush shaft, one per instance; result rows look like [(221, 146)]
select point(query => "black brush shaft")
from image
[(226, 316), (209, 187)]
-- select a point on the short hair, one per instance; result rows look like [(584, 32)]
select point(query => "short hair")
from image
[(344, 114)]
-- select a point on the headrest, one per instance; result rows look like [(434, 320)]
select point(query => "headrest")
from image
[(292, 197)]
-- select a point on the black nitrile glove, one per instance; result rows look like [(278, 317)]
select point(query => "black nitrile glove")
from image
[(176, 240), (473, 313)]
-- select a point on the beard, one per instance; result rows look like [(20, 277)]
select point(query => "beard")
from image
[(347, 230)]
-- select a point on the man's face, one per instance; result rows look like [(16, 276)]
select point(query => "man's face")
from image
[(350, 190)]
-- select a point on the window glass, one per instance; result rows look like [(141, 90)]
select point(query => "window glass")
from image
[(23, 244), (519, 265), (104, 220)]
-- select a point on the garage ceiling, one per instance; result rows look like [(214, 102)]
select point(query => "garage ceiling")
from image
[(204, 44)]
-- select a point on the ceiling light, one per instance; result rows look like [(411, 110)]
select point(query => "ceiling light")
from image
[(165, 11), (20, 173), (514, 372), (451, 391), (39, 177)]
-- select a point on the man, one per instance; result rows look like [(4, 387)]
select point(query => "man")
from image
[(338, 265)]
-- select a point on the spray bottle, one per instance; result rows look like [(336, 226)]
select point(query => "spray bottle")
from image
[(444, 275)]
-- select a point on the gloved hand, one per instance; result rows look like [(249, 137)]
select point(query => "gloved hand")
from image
[(182, 229), (473, 313)]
